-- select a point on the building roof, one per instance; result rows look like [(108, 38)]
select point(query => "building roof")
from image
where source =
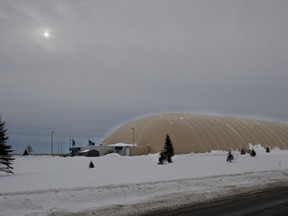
[(200, 133)]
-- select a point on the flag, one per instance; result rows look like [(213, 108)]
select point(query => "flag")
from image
[(90, 143), (73, 142)]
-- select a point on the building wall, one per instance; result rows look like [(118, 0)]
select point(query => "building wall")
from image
[(139, 150), (103, 150)]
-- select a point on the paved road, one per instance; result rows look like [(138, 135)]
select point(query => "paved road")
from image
[(272, 201)]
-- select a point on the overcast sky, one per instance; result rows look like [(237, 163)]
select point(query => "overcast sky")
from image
[(86, 67)]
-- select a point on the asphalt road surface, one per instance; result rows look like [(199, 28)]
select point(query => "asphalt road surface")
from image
[(272, 201)]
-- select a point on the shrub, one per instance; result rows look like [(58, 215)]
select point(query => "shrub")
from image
[(230, 157)]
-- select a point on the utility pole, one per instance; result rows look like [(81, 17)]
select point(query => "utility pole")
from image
[(133, 141), (52, 133)]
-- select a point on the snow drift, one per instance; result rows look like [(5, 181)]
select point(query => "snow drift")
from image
[(45, 185)]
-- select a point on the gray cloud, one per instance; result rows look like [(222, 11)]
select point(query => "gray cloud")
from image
[(107, 62)]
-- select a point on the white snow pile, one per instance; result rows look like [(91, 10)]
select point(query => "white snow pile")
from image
[(46, 185)]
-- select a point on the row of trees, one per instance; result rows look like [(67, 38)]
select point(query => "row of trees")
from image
[(252, 152), (6, 150), (230, 156), (167, 153)]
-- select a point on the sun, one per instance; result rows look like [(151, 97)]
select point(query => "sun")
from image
[(46, 34)]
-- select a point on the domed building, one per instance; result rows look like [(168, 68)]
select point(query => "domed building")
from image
[(198, 133)]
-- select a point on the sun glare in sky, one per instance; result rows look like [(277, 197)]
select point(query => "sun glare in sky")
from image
[(46, 34)]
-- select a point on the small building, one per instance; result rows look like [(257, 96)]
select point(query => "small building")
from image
[(90, 153), (119, 148), (74, 150)]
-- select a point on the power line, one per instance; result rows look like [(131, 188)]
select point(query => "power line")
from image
[(55, 128)]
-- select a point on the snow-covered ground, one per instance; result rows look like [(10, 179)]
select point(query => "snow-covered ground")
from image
[(46, 185)]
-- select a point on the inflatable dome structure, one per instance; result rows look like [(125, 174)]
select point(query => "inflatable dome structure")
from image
[(200, 133)]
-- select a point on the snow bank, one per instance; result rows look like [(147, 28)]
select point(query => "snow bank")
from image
[(45, 185)]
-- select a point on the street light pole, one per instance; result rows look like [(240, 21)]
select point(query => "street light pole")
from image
[(52, 142), (133, 141)]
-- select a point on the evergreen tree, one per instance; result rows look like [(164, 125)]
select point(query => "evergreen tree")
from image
[(91, 165), (230, 157), (162, 158), (6, 158), (243, 152), (168, 151), (267, 149), (25, 153), (253, 153)]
